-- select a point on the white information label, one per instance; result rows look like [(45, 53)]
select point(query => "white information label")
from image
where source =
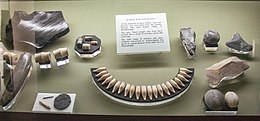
[(142, 34)]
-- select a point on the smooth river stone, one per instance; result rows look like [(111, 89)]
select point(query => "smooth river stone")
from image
[(229, 68), (231, 99), (214, 100), (239, 44), (37, 29), (188, 36)]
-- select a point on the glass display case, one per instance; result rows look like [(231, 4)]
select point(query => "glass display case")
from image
[(92, 17)]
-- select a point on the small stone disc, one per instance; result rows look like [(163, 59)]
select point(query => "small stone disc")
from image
[(62, 101)]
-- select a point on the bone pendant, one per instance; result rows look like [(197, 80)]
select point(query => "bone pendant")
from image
[(155, 91), (150, 92), (170, 87), (185, 70), (101, 73), (182, 78), (100, 69), (144, 92), (107, 80), (121, 87), (160, 90), (137, 92), (104, 77), (127, 88), (116, 86), (132, 91), (184, 74), (174, 84), (165, 88), (111, 83), (178, 81)]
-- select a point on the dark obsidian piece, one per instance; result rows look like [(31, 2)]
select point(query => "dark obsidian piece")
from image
[(239, 44), (62, 101), (188, 36), (211, 38), (37, 29)]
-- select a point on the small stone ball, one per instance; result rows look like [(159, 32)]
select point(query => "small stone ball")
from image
[(211, 38), (231, 99), (214, 100)]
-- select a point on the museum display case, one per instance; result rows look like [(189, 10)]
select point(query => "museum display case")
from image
[(97, 18)]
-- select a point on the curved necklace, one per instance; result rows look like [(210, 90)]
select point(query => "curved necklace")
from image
[(142, 95)]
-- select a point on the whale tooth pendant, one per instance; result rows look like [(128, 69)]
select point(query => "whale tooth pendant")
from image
[(104, 77), (155, 91), (137, 92), (127, 88), (184, 74), (144, 92), (150, 92), (185, 70), (182, 78), (132, 91), (121, 87), (111, 83), (170, 87), (178, 81), (160, 90), (100, 69), (174, 84), (166, 90), (107, 80), (116, 86), (101, 73)]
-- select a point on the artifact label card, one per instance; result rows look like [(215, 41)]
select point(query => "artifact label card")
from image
[(142, 34)]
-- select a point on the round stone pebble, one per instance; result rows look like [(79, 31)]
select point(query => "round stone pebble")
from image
[(214, 100), (231, 99)]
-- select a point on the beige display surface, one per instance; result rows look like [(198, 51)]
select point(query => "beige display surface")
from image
[(98, 18)]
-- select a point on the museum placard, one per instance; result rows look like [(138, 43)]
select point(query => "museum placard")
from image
[(142, 34)]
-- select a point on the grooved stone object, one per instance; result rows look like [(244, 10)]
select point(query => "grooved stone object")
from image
[(227, 69), (188, 36)]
